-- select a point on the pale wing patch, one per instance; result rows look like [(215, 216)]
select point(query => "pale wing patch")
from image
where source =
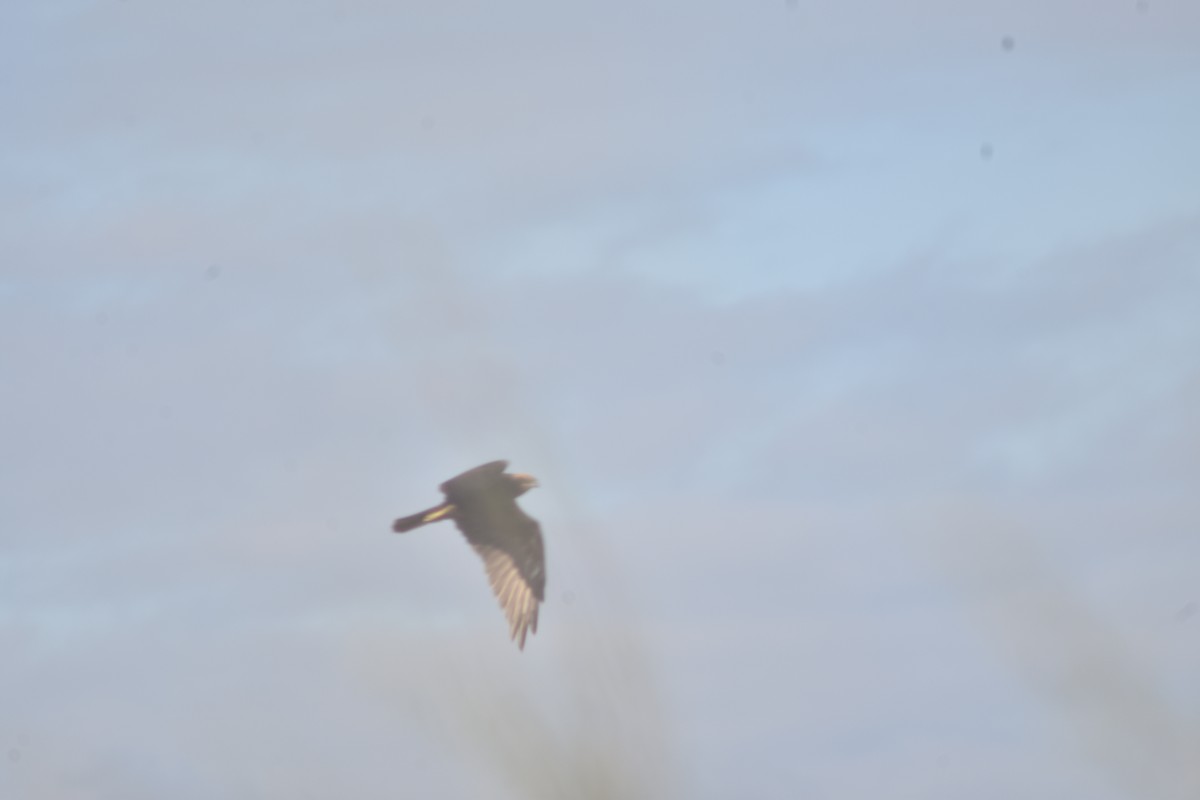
[(438, 513), (515, 596)]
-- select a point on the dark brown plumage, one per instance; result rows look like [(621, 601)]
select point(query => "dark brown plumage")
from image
[(483, 504)]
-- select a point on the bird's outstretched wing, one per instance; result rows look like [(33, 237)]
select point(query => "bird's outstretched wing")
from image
[(510, 543), (481, 479), (514, 592)]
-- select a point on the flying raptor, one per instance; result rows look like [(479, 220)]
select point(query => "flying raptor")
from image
[(483, 504)]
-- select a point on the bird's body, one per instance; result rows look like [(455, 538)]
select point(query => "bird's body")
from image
[(482, 503)]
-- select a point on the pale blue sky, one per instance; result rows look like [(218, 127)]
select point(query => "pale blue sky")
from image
[(856, 349)]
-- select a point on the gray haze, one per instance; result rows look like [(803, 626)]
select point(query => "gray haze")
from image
[(856, 348)]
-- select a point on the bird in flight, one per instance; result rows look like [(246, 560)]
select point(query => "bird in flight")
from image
[(483, 504)]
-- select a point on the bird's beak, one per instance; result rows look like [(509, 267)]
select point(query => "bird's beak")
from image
[(529, 481)]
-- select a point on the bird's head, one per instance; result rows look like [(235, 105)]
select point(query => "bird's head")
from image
[(522, 482)]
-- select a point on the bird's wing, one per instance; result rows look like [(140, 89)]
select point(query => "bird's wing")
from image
[(510, 543), (474, 480), (514, 592)]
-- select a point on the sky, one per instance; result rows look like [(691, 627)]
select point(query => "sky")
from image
[(855, 347)]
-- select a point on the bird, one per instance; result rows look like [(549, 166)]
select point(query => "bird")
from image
[(483, 504)]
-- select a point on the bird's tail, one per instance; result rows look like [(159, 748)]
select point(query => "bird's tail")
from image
[(405, 524)]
